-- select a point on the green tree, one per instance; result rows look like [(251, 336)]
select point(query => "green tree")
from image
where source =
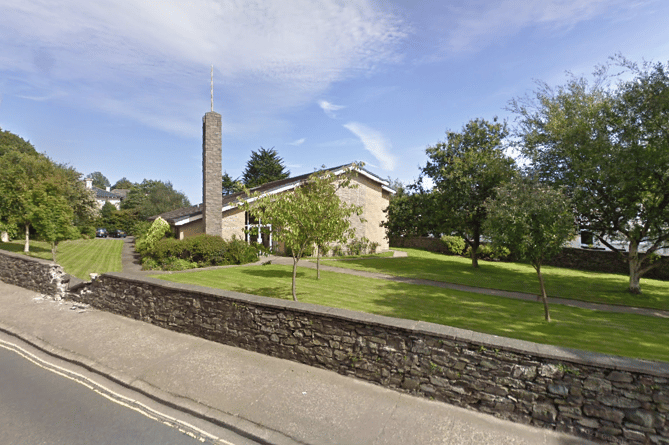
[(310, 214), (99, 180), (123, 183), (466, 170), (609, 147), (153, 197), (11, 142), (264, 166), (22, 173), (411, 213), (331, 216), (533, 221), (230, 185), (53, 218)]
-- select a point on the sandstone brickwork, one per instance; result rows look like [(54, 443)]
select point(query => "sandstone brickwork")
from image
[(212, 172)]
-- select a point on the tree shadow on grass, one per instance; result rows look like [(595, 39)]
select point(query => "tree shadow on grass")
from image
[(18, 248), (270, 273)]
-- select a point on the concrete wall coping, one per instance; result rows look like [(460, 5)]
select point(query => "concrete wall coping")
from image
[(657, 369)]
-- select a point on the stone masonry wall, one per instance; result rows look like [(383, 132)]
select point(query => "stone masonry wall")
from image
[(604, 398), (38, 275)]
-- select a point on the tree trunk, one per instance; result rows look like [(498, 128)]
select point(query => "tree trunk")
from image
[(635, 268), (26, 247), (543, 293), (318, 263), (295, 260)]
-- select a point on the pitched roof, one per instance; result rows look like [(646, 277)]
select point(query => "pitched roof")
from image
[(104, 194), (185, 215)]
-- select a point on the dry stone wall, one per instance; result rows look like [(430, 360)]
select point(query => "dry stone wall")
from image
[(604, 398), (35, 274)]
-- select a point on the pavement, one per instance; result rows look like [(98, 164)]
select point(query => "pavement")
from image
[(260, 399)]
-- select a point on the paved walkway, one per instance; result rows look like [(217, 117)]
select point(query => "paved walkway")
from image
[(131, 264), (261, 399)]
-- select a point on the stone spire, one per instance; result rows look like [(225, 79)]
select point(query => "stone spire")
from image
[(212, 170)]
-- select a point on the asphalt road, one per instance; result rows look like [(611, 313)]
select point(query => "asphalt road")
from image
[(40, 406)]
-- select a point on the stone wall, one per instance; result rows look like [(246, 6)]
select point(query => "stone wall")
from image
[(605, 398), (580, 259), (39, 275)]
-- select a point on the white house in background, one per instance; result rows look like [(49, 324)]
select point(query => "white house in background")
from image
[(586, 240), (103, 196)]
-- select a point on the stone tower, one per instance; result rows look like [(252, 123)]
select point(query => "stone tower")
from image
[(212, 173)]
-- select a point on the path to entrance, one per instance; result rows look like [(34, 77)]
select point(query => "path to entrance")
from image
[(131, 264)]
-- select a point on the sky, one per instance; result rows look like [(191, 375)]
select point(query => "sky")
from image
[(121, 86)]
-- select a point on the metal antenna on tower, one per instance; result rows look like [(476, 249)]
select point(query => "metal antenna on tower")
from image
[(212, 88)]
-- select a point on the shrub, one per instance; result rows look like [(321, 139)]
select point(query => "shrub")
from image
[(485, 252), (149, 263), (337, 250), (455, 245), (156, 232), (358, 246), (205, 250), (167, 248), (177, 264), (373, 246), (240, 252)]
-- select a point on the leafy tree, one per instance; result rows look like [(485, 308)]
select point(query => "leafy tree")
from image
[(331, 216), (609, 148), (311, 214), (22, 173), (264, 166), (230, 185), (533, 221), (153, 197), (11, 142), (99, 180), (123, 183), (466, 169), (410, 214), (53, 216)]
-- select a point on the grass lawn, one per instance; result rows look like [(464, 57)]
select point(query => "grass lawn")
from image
[(619, 334), (564, 283), (78, 257)]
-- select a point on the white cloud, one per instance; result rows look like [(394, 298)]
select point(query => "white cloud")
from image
[(479, 24), (375, 143), (267, 54), (330, 108), (298, 142)]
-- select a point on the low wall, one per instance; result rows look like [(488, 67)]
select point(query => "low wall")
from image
[(579, 259), (35, 274), (600, 397)]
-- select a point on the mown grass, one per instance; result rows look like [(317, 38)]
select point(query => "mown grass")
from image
[(78, 257), (564, 283), (619, 334)]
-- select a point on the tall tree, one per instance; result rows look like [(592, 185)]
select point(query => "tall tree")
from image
[(609, 148), (310, 214), (264, 166), (12, 142), (533, 221), (123, 183), (99, 180), (153, 197), (465, 170), (53, 216), (230, 185)]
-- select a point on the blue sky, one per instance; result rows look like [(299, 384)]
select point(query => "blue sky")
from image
[(121, 86)]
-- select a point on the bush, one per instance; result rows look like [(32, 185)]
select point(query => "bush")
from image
[(337, 250), (149, 263), (167, 248), (177, 264), (156, 232), (205, 250), (485, 252), (240, 252), (373, 246), (358, 246), (455, 245)]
